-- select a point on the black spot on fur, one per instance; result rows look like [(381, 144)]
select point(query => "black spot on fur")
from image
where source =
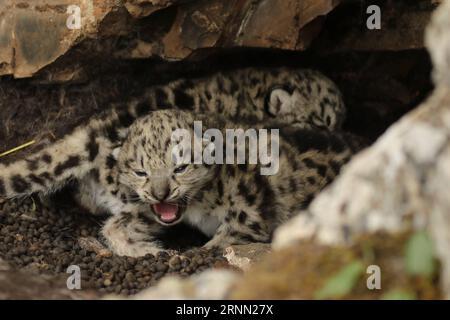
[(19, 184), (71, 162), (46, 176), (230, 170), (32, 164), (111, 133), (2, 188), (335, 166), (267, 204), (125, 219), (36, 179), (47, 158), (167, 143), (255, 226), (322, 170), (95, 174), (109, 180), (242, 217), (144, 218), (110, 161), (311, 180), (92, 147), (183, 100), (243, 167), (310, 163), (247, 238), (245, 192), (134, 197), (305, 140), (220, 189)]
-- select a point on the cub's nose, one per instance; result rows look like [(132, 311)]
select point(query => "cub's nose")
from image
[(161, 193)]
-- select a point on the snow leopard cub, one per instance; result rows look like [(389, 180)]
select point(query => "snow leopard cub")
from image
[(302, 98), (231, 203)]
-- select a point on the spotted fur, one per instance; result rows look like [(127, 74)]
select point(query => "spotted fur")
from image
[(302, 99), (231, 203)]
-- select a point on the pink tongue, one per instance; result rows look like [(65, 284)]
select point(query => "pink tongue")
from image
[(166, 211)]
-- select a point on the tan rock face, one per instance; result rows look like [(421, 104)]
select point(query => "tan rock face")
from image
[(210, 284), (142, 8), (28, 285), (35, 34)]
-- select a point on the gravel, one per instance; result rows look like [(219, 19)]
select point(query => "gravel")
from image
[(51, 237)]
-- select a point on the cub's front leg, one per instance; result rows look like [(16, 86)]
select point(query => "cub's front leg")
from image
[(132, 234), (240, 226)]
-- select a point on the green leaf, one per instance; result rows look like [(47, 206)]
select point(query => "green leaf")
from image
[(342, 283), (398, 295), (420, 255)]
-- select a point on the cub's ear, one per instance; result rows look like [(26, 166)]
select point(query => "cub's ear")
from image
[(278, 101), (115, 153)]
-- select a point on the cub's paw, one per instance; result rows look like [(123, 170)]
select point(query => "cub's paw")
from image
[(135, 250)]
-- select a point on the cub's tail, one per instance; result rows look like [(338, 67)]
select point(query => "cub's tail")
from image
[(71, 157)]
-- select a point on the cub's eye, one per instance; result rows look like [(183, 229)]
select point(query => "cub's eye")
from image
[(140, 173), (180, 169)]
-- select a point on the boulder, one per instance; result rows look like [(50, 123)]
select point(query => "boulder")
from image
[(35, 35), (401, 182), (210, 284)]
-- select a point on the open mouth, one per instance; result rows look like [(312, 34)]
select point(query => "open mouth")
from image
[(167, 213)]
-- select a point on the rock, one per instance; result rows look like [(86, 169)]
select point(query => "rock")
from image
[(143, 8), (57, 38), (244, 256), (401, 182), (210, 284), (235, 23), (301, 271), (4, 266), (438, 42), (33, 35), (274, 23), (30, 285)]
